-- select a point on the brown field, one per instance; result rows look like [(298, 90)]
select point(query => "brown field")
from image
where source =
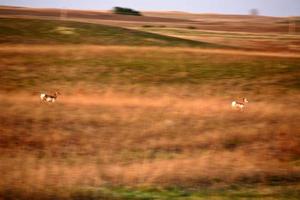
[(82, 14), (135, 140), (274, 42), (139, 117), (262, 33), (234, 23), (137, 136)]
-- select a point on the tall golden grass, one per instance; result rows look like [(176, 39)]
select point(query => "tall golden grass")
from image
[(159, 135), (92, 50), (117, 139)]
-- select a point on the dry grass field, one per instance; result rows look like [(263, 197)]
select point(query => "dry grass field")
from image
[(145, 117), (262, 33)]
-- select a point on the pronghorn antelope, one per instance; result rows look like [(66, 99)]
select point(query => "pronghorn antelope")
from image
[(239, 105), (49, 98)]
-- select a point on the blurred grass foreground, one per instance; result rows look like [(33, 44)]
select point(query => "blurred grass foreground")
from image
[(144, 115)]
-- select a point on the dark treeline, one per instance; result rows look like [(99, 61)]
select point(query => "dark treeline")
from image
[(126, 11)]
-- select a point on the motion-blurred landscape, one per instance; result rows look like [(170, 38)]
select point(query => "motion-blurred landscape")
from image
[(145, 105)]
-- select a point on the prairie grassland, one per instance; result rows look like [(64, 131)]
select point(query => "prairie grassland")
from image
[(92, 68), (253, 41), (140, 141), (38, 31), (217, 22), (144, 116), (147, 118), (218, 31)]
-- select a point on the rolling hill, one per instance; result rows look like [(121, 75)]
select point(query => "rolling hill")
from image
[(36, 31), (143, 114), (217, 22)]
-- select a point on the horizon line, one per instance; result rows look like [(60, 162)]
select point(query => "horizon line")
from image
[(179, 11)]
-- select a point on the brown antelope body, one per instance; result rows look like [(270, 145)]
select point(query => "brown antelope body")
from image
[(49, 98), (239, 105)]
